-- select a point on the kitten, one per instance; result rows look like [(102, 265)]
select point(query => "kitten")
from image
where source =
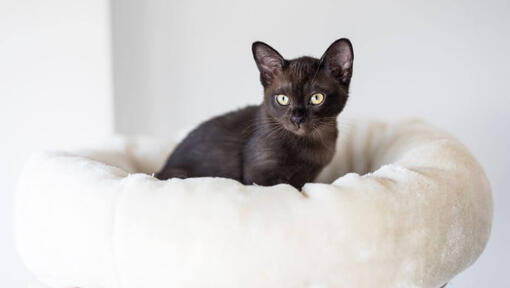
[(288, 138)]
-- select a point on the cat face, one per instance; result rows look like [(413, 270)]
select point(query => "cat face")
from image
[(306, 94)]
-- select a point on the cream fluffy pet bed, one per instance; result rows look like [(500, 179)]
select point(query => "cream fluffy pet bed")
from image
[(414, 211)]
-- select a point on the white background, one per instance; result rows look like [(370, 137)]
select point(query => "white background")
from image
[(175, 63)]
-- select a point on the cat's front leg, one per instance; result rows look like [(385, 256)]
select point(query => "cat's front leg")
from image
[(263, 175), (168, 173), (267, 181), (262, 179)]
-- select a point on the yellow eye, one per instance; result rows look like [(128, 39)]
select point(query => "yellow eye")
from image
[(317, 98), (282, 99)]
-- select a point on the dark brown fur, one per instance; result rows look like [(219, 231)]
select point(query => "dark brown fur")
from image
[(270, 143)]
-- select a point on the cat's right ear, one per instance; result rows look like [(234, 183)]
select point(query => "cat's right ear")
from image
[(269, 62)]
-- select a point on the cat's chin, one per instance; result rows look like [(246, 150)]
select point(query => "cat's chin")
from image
[(307, 132), (301, 131)]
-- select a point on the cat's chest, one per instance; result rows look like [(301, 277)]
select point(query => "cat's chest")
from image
[(319, 154), (296, 152)]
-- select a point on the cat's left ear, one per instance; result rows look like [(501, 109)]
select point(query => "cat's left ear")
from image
[(269, 61), (338, 60)]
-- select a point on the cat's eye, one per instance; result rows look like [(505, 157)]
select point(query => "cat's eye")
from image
[(282, 99), (317, 98)]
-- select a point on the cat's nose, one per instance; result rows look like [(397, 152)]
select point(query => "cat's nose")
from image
[(297, 117)]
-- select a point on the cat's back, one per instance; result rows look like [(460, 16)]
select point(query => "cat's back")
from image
[(214, 148)]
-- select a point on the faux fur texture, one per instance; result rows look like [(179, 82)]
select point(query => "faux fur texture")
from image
[(414, 211)]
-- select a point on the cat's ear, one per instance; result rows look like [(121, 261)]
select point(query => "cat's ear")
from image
[(269, 61), (338, 60)]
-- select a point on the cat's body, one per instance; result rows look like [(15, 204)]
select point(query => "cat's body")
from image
[(289, 138), (244, 145)]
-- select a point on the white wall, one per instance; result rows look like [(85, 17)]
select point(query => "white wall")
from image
[(55, 90), (179, 62)]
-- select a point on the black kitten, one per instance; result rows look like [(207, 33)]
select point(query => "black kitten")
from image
[(289, 138)]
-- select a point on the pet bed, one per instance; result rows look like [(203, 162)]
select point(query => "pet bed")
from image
[(402, 204)]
